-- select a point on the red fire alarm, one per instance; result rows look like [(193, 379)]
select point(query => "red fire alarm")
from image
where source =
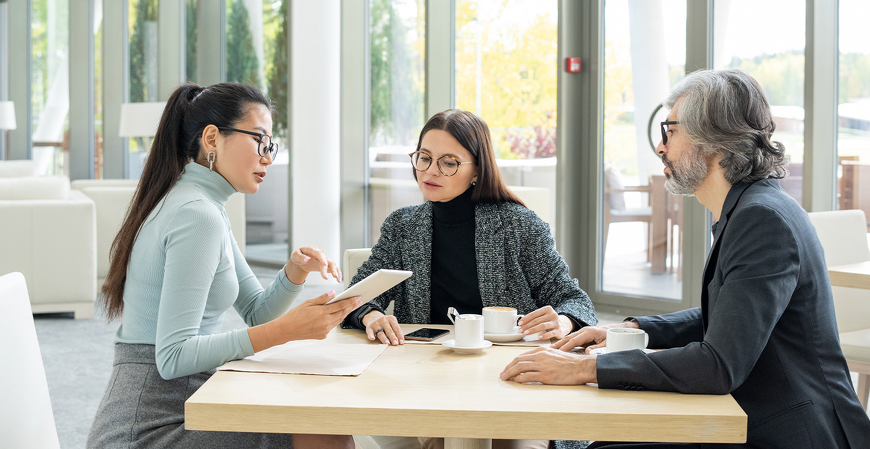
[(572, 65)]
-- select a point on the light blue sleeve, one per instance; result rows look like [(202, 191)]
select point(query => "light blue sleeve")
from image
[(194, 242), (258, 306)]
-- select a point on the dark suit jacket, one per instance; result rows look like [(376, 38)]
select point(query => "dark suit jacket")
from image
[(765, 331)]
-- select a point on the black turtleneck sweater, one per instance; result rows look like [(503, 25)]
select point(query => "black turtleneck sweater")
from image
[(454, 260)]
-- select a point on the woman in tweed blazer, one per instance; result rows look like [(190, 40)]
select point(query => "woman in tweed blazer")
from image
[(516, 261)]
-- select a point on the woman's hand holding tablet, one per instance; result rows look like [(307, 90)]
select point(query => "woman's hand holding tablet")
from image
[(373, 285)]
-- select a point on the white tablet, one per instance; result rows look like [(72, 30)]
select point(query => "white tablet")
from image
[(373, 285)]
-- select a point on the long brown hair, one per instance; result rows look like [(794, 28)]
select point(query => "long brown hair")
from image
[(188, 111), (473, 134)]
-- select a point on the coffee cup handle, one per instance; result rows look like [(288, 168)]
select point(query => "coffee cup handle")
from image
[(645, 340), (517, 322)]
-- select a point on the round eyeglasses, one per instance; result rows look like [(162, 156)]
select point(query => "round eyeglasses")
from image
[(264, 142), (448, 165)]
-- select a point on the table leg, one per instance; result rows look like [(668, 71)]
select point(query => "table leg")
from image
[(467, 443)]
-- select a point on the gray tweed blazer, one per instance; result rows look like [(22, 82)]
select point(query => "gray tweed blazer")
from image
[(517, 263)]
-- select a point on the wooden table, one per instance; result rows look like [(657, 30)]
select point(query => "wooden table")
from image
[(428, 390), (856, 275)]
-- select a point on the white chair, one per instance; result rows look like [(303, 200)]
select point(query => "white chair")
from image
[(353, 259), (112, 198), (18, 168), (26, 418), (48, 233), (844, 237)]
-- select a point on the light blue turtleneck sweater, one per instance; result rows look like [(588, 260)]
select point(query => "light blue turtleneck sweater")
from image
[(185, 272)]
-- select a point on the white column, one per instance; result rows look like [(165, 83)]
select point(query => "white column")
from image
[(314, 126)]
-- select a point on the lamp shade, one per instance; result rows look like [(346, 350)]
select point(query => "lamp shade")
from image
[(7, 115), (140, 119)]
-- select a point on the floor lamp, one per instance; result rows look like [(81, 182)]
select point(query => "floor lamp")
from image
[(140, 120), (7, 121)]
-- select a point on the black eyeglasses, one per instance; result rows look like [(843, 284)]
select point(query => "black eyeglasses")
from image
[(665, 130), (448, 165), (264, 142)]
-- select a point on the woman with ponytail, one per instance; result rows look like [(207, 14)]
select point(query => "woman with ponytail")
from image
[(175, 270)]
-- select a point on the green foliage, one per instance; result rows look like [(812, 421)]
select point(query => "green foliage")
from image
[(145, 11), (854, 77), (781, 75), (276, 66), (242, 64), (396, 75), (190, 63)]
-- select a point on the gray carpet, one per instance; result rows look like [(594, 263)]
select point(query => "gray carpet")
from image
[(77, 355)]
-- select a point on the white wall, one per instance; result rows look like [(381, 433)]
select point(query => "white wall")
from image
[(314, 126)]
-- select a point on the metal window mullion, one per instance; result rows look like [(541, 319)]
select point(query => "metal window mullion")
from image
[(116, 76), (580, 128), (821, 74), (355, 123), (4, 69), (171, 47), (440, 69), (21, 138), (81, 89)]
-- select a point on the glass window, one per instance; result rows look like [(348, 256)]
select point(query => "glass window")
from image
[(772, 51), (257, 56), (644, 55), (506, 69), (397, 43), (50, 84), (143, 72), (853, 139)]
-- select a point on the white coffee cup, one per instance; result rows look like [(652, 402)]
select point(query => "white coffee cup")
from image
[(501, 320), (468, 331), (625, 339)]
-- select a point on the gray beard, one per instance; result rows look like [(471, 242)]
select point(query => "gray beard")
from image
[(687, 173)]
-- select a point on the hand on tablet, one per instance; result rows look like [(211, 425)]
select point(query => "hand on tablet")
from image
[(313, 319), (391, 334), (307, 259)]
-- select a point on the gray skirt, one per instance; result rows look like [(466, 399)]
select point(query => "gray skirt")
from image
[(141, 409)]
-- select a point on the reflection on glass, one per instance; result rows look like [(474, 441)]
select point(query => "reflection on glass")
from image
[(397, 115), (644, 55), (506, 69), (50, 84), (773, 53), (143, 72), (853, 139)]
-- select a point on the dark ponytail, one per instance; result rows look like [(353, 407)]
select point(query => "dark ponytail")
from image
[(189, 110)]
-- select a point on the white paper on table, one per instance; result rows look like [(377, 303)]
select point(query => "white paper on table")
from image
[(310, 357)]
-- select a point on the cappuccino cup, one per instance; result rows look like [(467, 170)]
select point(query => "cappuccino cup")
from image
[(468, 330), (501, 320), (624, 339)]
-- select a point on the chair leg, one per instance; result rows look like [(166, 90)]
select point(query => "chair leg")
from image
[(863, 389)]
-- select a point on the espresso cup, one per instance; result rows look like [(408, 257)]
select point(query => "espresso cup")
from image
[(500, 320), (468, 330), (625, 339)]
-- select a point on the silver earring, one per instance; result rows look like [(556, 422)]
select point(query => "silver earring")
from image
[(474, 183), (210, 159)]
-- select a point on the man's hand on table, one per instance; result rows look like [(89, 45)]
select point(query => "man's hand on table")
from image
[(552, 366), (383, 327), (596, 335)]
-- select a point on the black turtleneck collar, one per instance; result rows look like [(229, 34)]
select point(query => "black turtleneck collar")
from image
[(455, 210)]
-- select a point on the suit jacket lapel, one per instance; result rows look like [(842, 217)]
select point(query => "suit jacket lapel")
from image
[(710, 266), (418, 252), (489, 250)]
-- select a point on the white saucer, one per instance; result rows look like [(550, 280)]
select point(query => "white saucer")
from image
[(466, 350), (504, 338)]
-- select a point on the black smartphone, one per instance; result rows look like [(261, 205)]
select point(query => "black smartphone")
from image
[(426, 334)]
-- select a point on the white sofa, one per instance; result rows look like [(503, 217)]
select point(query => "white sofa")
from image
[(48, 233), (112, 199)]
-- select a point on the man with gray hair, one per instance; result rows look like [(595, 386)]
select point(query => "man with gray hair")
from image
[(766, 331)]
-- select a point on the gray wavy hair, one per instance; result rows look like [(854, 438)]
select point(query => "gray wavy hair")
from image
[(725, 112)]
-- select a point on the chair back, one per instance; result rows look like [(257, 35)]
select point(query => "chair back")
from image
[(26, 419), (843, 235), (353, 259)]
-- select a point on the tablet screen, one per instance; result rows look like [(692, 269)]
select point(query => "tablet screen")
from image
[(374, 285)]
